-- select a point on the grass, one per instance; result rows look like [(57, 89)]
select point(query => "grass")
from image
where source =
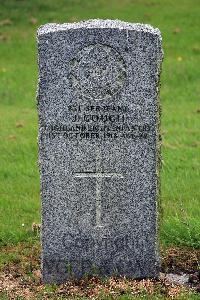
[(21, 279), (179, 23)]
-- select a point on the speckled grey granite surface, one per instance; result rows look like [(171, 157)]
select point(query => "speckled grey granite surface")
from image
[(99, 148)]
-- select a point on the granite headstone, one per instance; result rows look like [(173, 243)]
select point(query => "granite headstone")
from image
[(99, 148)]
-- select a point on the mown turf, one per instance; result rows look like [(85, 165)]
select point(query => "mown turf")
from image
[(179, 23)]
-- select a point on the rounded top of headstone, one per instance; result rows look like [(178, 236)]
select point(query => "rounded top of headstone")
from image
[(98, 23)]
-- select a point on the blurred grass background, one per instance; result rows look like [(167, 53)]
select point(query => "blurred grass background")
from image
[(179, 22)]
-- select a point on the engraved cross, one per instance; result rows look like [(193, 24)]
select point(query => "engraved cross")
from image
[(99, 175)]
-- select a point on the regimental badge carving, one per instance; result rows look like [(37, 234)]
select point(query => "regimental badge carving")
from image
[(97, 72)]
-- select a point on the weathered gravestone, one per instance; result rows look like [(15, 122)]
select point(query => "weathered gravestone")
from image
[(99, 148)]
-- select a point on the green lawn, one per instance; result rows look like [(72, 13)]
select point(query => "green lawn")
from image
[(179, 22)]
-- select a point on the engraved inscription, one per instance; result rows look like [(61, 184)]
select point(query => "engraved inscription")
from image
[(97, 72), (84, 242), (98, 122)]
